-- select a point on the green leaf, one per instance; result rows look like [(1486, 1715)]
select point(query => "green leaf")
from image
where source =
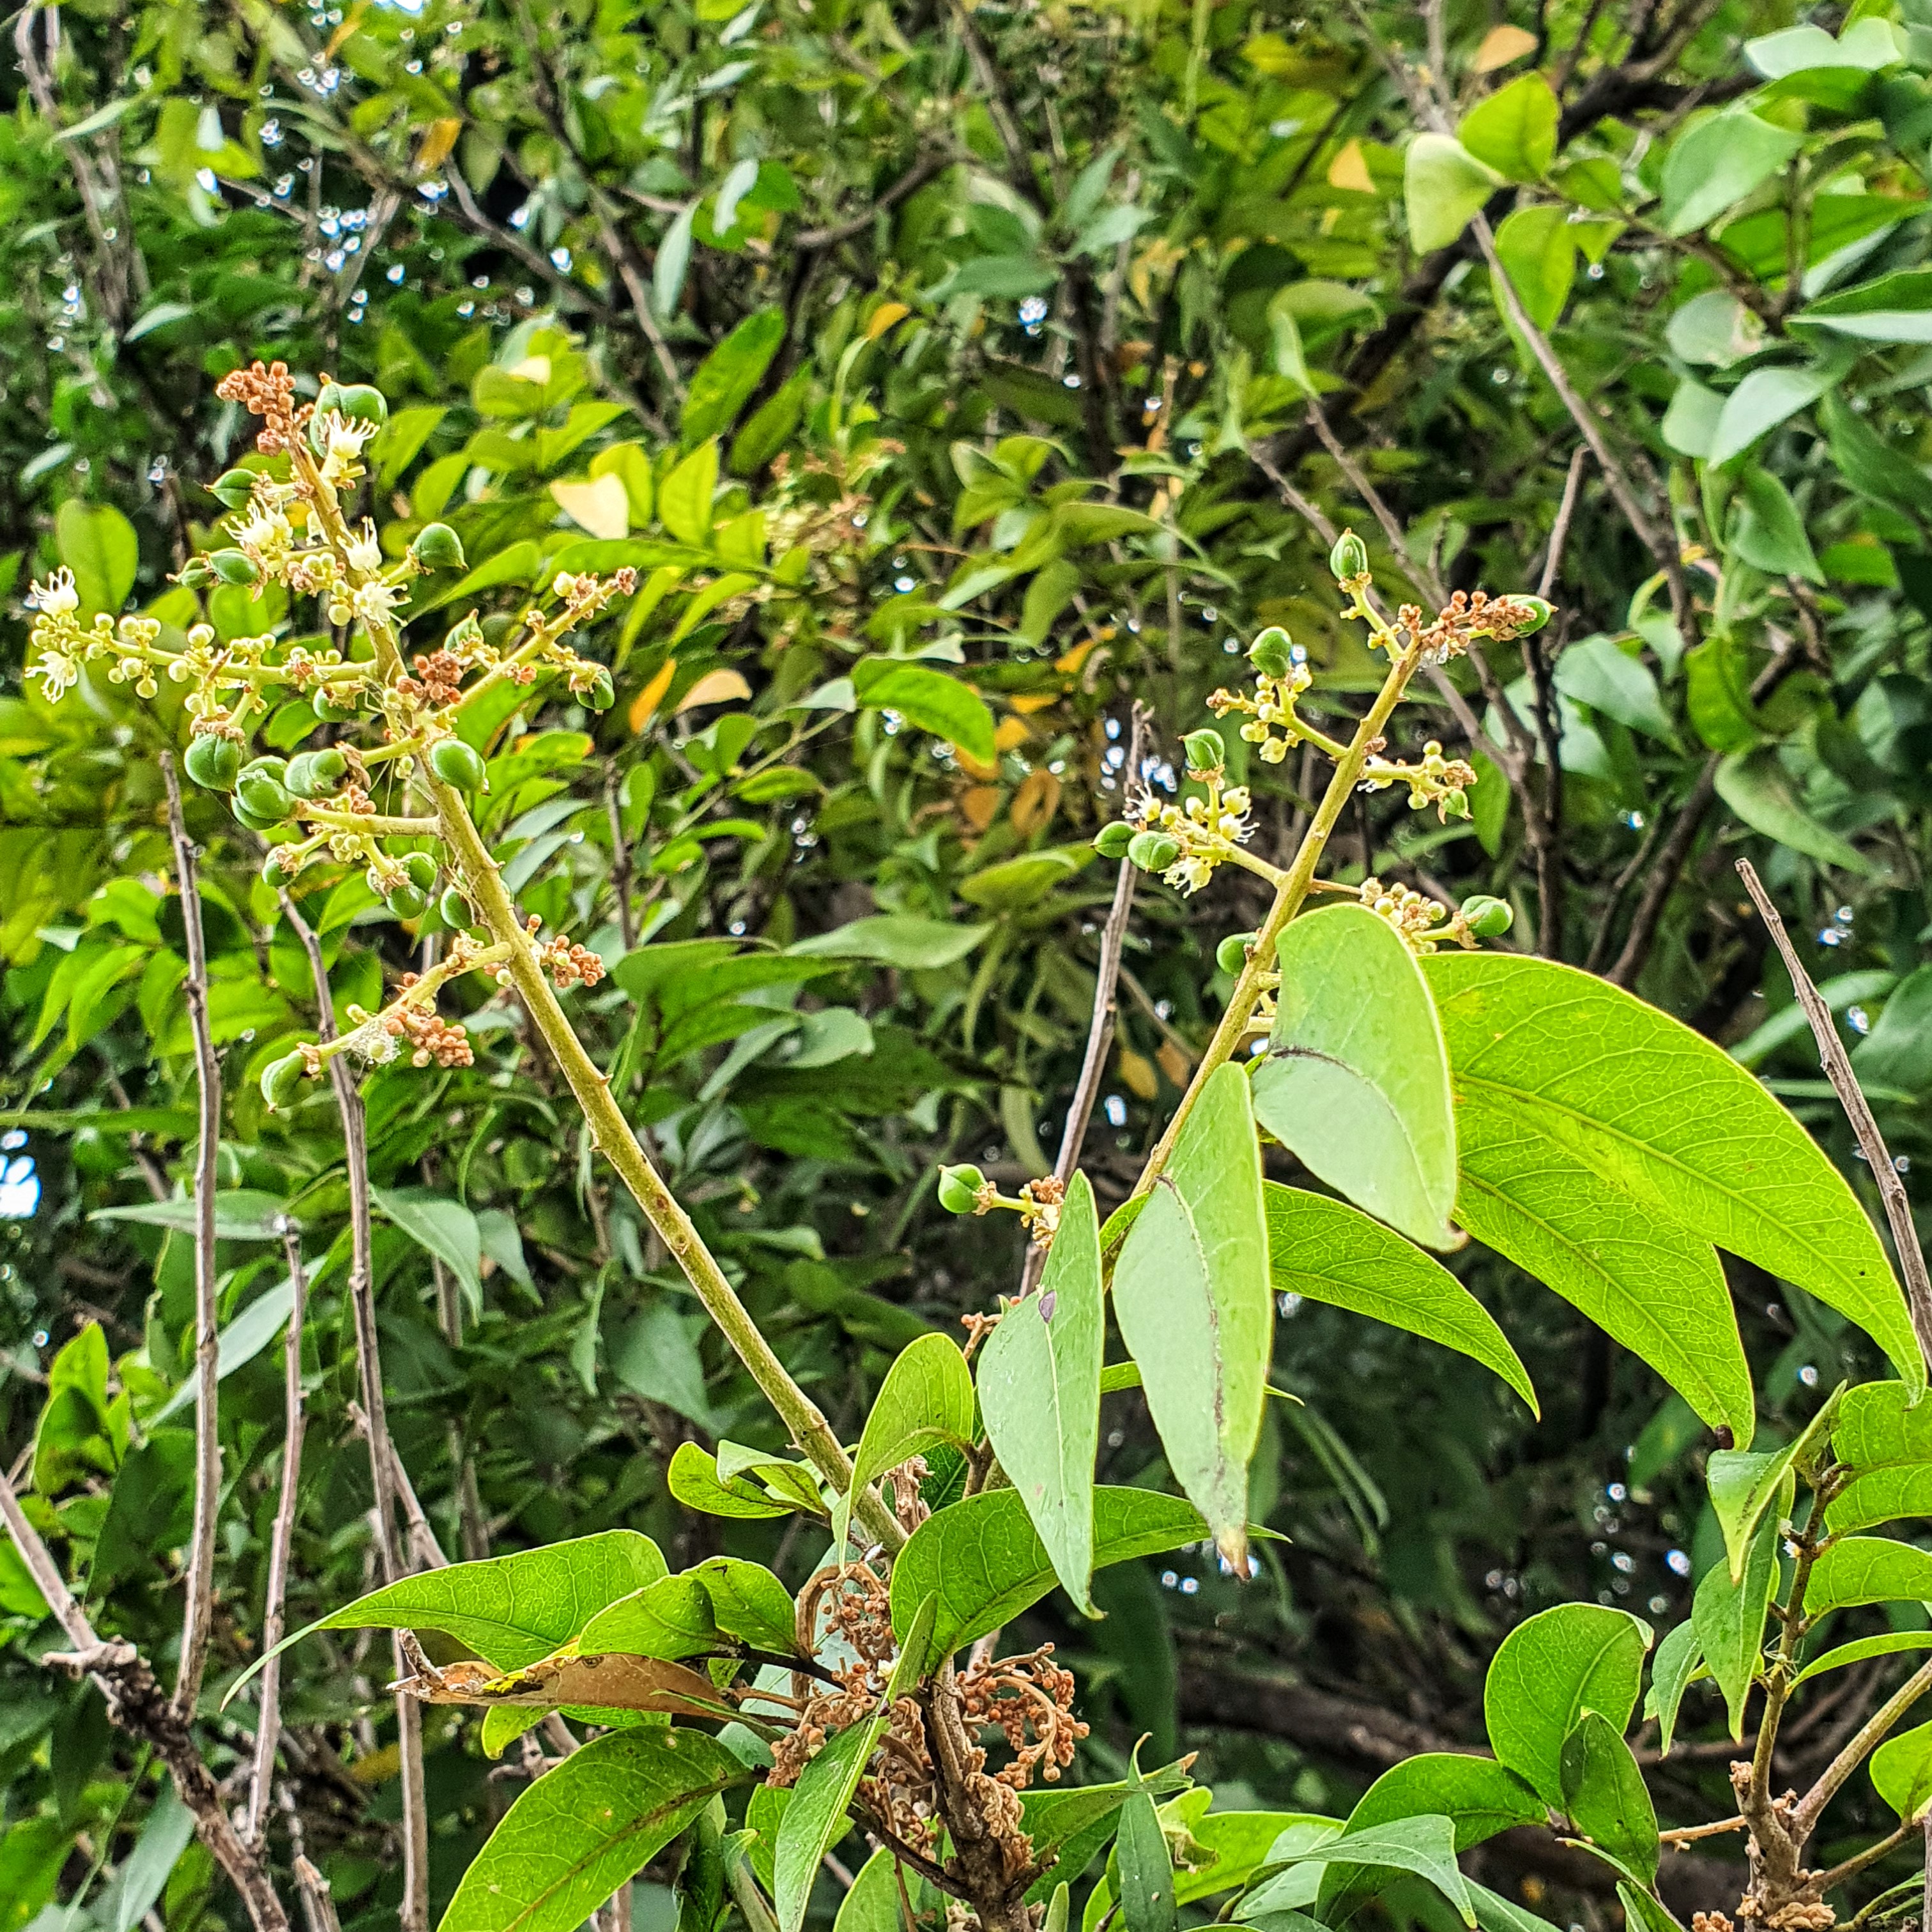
[(150, 1511), (1443, 184), (1603, 1792), (1546, 1672), (671, 1617), (655, 1355), (1424, 1846), (1146, 1867), (511, 1609), (1514, 130), (1192, 1298), (98, 544), (1757, 786), (1769, 533), (1868, 1570), (1327, 1251), (1743, 1483), (1015, 883), (1477, 1796), (693, 1480), (985, 1561), (1714, 165), (1763, 400), (1898, 1051), (1901, 1772), (1643, 1910), (722, 384), (1728, 1618), (137, 1888), (1881, 1495), (684, 497), (1039, 1391), (906, 940), (1661, 1116), (749, 1603), (926, 1398), (1356, 1081), (1889, 1645), (1538, 248), (674, 259), (1896, 307), (872, 1905), (1679, 1655), (1599, 672), (443, 1226), (929, 700), (815, 1819), (580, 1832)]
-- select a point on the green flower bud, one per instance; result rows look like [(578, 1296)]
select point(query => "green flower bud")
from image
[(1231, 954), (334, 710), (1154, 851), (422, 869), (316, 774), (1205, 750), (407, 902), (253, 820), (1272, 652), (456, 763), (213, 761), (1542, 607), (1486, 918), (959, 1188), (360, 401), (194, 573), (282, 1079), (276, 873), (602, 694), (1112, 841), (232, 566), (437, 546), (455, 907), (263, 796), (1349, 558), (234, 487)]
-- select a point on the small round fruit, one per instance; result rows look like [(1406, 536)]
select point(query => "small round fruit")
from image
[(234, 487), (1112, 841), (316, 774), (456, 763), (213, 760), (959, 1188), (1205, 750), (1272, 652), (234, 566), (282, 1080), (407, 902), (437, 546), (1349, 558), (360, 402), (455, 907), (194, 573), (276, 873), (1487, 918), (422, 869), (1154, 851), (1231, 954), (334, 707), (602, 694), (264, 797), (253, 820)]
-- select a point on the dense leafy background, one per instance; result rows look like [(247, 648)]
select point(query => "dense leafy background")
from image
[(1019, 304)]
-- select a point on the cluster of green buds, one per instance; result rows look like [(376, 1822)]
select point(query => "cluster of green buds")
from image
[(125, 646), (1425, 923), (1185, 841), (965, 1189), (1281, 675)]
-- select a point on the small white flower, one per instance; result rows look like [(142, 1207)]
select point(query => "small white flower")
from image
[(62, 672), (374, 601), (1190, 874), (365, 552), (57, 596), (372, 1043)]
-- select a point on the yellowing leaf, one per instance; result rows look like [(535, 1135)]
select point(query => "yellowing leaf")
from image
[(1070, 661), (980, 804), (1010, 734), (644, 706), (883, 317), (714, 687), (1174, 1063), (1137, 1074), (1501, 45), (1349, 169), (602, 505), (1035, 802), (438, 140)]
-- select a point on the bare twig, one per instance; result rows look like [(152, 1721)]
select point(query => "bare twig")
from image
[(1663, 879), (268, 1727), (198, 1611), (1805, 1816), (621, 869), (318, 1907), (1857, 1110), (1559, 531)]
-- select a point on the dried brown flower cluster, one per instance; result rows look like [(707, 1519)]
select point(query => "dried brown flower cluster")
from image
[(569, 965), (430, 1036), (1468, 615), (268, 391)]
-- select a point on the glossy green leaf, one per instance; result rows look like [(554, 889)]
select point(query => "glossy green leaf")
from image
[(1763, 400), (1443, 186), (1478, 1795), (1679, 1656), (1546, 1672), (1728, 1617), (1423, 1846), (749, 1603), (1886, 1494), (98, 543), (671, 1617), (580, 1831), (1890, 1644), (1355, 1083), (1662, 1116), (684, 497), (1603, 1792), (1327, 1251), (1514, 129), (926, 1398), (1867, 1570), (1743, 1483), (1769, 533), (693, 1480), (816, 1819), (1039, 1391), (929, 700), (1192, 1297), (1901, 1772), (907, 941), (723, 383), (1896, 307), (1715, 163), (1146, 1867), (984, 1560), (1757, 786), (444, 1227)]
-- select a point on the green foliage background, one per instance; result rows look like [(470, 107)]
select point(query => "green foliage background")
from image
[(1014, 313)]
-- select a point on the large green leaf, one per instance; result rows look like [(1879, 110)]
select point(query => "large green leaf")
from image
[(1479, 1796), (1424, 1846), (1878, 1424), (1868, 1570), (512, 1609), (926, 1398), (1603, 1792), (721, 385), (985, 1561), (1443, 184), (1356, 1081), (749, 1603), (579, 1833), (1901, 1772), (929, 700), (1663, 1117), (1514, 129), (1715, 163), (1327, 1251), (445, 1228), (98, 544), (1039, 1391), (815, 1819), (1546, 1672), (1728, 1618), (1755, 785), (1191, 1295), (671, 1617)]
